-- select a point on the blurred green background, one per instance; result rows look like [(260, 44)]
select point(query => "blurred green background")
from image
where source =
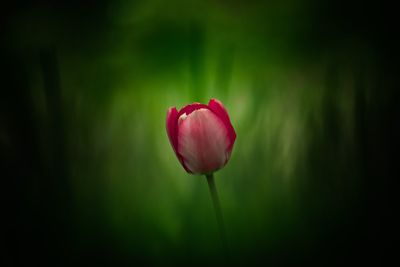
[(90, 175)]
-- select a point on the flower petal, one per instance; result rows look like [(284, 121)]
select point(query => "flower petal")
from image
[(219, 109), (202, 141), (190, 108), (172, 120), (172, 131)]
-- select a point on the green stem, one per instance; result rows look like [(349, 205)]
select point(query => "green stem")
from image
[(218, 213)]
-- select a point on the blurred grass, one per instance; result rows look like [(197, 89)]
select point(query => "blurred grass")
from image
[(297, 96)]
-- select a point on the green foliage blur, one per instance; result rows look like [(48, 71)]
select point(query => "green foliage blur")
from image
[(94, 180)]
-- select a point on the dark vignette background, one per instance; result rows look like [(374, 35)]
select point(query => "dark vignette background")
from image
[(88, 174)]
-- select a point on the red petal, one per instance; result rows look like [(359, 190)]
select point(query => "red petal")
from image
[(203, 141), (172, 131), (216, 106), (190, 108)]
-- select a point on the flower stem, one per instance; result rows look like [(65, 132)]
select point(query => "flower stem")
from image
[(218, 213)]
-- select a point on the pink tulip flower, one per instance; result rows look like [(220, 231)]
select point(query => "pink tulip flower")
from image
[(202, 136)]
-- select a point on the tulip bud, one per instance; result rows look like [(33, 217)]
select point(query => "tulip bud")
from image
[(201, 135)]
